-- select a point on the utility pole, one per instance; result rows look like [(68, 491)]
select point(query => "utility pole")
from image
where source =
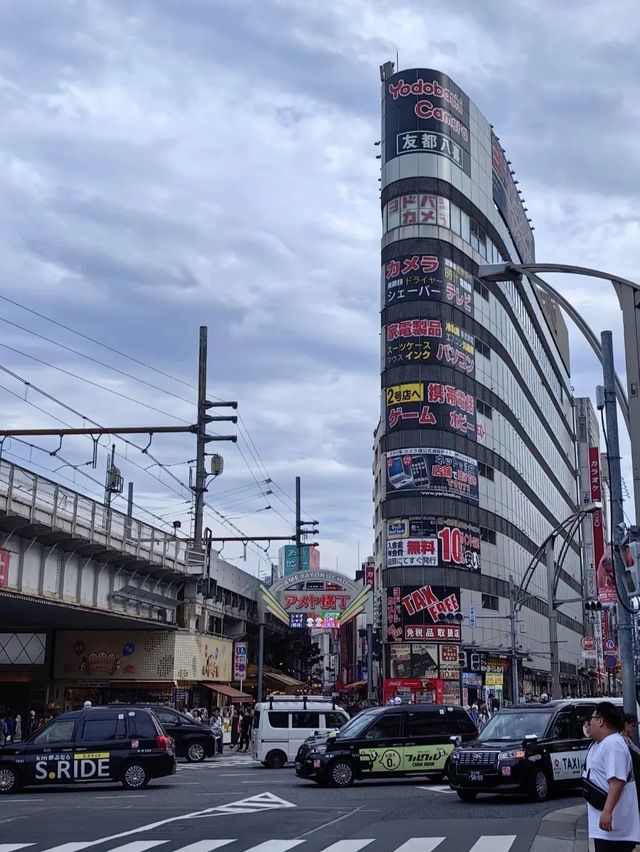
[(514, 644), (625, 638), (298, 525), (550, 563), (202, 439)]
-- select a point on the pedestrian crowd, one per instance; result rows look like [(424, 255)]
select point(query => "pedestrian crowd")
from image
[(13, 728), (238, 719)]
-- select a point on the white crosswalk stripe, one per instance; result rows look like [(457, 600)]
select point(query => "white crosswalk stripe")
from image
[(13, 847), (420, 844), (484, 843), (493, 843)]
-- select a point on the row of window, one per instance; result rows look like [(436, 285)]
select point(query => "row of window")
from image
[(306, 719), (484, 409), (485, 470), (425, 208)]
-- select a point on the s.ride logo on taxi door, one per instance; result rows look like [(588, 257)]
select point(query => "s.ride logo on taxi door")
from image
[(83, 767)]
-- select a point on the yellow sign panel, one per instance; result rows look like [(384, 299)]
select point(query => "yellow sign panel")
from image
[(493, 679), (405, 393), (91, 755)]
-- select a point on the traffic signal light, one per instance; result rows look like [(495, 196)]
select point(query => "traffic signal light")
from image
[(630, 553), (592, 606), (450, 617)]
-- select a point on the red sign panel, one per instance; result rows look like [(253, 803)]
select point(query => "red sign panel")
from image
[(5, 556), (594, 474)]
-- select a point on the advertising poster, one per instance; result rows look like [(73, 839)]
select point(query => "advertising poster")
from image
[(431, 541), (426, 112), (424, 660), (413, 614), (432, 472), (412, 690), (400, 660), (5, 556), (432, 405), (427, 278), (423, 341)]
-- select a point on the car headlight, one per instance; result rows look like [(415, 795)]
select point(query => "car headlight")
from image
[(319, 749), (515, 754)]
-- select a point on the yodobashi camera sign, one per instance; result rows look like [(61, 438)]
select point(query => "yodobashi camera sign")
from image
[(425, 112)]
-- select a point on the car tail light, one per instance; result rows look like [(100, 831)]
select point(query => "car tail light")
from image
[(163, 742)]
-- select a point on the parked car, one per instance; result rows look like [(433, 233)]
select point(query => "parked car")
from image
[(125, 744), (193, 740)]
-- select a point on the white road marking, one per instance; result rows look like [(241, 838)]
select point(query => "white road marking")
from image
[(12, 847), (493, 843), (437, 788), (275, 846), (349, 845), (139, 846), (420, 844), (69, 847), (204, 845)]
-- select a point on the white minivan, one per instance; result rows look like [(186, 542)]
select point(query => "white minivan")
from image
[(283, 722)]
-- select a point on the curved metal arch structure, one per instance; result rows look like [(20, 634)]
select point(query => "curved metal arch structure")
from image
[(628, 293)]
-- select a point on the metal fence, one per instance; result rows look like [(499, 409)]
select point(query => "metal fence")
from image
[(43, 501)]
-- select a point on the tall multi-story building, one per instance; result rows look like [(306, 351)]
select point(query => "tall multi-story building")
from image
[(474, 455)]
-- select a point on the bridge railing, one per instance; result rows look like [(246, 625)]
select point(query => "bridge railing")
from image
[(45, 502)]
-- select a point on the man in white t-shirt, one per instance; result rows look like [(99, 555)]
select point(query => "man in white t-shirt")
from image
[(617, 827)]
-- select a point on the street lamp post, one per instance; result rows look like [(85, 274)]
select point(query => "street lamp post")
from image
[(628, 293)]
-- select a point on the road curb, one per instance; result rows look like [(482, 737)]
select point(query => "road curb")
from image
[(567, 827)]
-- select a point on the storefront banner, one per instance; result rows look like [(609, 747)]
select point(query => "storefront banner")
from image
[(425, 111), (416, 540), (426, 278), (412, 690), (423, 341), (99, 656), (432, 405), (5, 556), (432, 472), (413, 614)]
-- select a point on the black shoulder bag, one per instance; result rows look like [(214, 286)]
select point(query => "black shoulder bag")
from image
[(594, 795)]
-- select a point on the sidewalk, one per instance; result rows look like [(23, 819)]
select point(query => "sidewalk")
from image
[(567, 828)]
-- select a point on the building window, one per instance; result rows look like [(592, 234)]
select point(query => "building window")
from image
[(484, 409), (485, 470), (482, 349), (490, 602), (481, 289), (487, 535)]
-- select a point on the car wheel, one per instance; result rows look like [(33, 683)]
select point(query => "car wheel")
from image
[(9, 782), (195, 752), (540, 789), (466, 795), (276, 759), (341, 774), (135, 777)]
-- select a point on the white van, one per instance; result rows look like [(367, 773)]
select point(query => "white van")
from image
[(283, 722)]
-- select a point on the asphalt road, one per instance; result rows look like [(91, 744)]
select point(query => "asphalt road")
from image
[(235, 805)]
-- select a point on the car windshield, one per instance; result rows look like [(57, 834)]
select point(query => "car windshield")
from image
[(515, 726), (354, 727)]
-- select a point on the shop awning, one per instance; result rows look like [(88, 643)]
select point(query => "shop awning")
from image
[(283, 679), (358, 684), (227, 691)]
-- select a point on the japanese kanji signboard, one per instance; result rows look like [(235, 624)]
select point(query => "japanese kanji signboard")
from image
[(426, 112), (316, 598), (432, 472), (416, 541), (426, 278), (432, 405), (413, 614), (429, 341)]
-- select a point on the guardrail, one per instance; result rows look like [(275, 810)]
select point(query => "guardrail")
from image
[(43, 501)]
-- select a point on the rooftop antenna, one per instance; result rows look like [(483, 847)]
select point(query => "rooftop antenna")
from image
[(397, 60)]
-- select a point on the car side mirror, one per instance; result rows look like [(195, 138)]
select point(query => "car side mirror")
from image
[(531, 737)]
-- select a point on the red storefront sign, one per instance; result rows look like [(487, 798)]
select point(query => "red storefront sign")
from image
[(5, 556)]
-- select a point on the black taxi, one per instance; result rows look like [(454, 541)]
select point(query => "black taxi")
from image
[(534, 749), (388, 741), (93, 744)]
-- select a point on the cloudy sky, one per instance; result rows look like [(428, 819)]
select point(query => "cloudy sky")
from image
[(172, 163)]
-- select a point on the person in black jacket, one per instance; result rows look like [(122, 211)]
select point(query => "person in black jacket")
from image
[(245, 730)]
